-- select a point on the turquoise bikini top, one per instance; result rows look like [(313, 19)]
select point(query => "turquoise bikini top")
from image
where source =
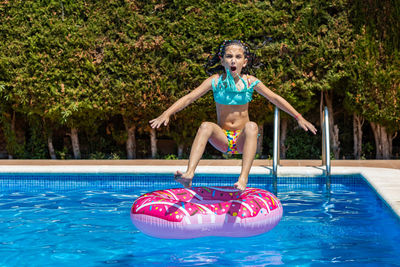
[(226, 93)]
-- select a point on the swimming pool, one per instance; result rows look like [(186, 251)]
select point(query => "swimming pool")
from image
[(66, 219)]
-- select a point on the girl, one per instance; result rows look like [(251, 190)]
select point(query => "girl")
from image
[(233, 133)]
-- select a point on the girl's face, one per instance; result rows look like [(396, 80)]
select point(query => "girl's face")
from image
[(234, 59)]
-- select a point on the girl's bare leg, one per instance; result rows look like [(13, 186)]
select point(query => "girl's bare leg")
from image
[(247, 143), (207, 131)]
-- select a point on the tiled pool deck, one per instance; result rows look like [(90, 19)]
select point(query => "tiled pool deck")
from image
[(383, 175)]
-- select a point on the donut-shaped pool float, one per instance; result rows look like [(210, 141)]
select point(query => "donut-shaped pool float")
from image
[(206, 211)]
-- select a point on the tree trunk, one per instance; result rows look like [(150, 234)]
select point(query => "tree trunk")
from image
[(75, 143), (180, 150), (284, 125), (153, 143), (391, 143), (260, 139), (333, 129), (358, 122), (131, 140), (10, 154), (49, 134), (52, 152), (382, 141)]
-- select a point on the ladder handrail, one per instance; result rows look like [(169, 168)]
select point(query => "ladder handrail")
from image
[(326, 153), (276, 150), (326, 160)]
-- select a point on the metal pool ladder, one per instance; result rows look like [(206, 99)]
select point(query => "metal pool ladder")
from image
[(326, 160)]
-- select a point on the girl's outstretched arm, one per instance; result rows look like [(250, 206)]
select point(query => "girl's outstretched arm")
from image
[(182, 102), (281, 103)]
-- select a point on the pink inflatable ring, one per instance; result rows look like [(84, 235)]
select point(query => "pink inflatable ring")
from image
[(206, 211)]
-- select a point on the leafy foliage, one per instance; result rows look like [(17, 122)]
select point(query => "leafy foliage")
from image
[(301, 145), (86, 64)]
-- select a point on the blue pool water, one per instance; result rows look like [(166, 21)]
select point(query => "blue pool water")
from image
[(83, 219)]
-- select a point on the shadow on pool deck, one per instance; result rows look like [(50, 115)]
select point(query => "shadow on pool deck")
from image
[(393, 164)]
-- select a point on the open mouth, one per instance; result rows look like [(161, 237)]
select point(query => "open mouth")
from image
[(233, 68)]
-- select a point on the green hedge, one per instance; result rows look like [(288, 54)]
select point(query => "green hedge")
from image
[(96, 65)]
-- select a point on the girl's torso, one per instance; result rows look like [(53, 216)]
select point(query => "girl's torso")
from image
[(232, 117), (232, 103)]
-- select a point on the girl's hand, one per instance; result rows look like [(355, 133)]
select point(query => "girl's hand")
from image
[(157, 122), (306, 125)]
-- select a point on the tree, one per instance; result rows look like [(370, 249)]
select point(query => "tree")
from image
[(323, 33), (376, 91), (55, 77), (375, 83)]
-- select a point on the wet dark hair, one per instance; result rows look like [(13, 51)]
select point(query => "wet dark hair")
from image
[(213, 63)]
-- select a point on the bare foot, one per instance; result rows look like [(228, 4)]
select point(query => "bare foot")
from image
[(184, 178), (241, 185)]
